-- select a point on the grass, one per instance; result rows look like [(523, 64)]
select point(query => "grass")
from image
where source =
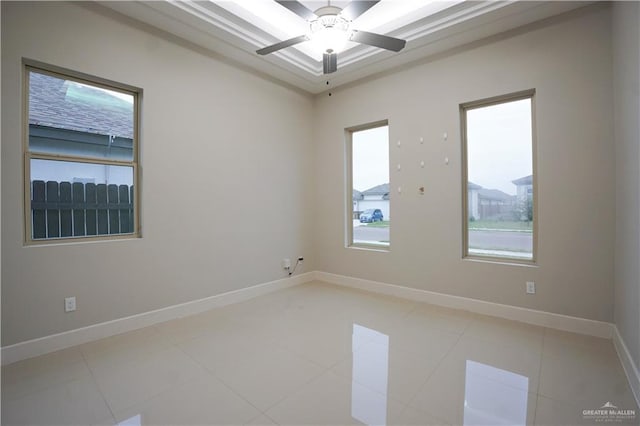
[(382, 224), (500, 224)]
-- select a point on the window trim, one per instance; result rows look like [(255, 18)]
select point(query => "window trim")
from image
[(496, 100), (28, 155), (348, 132)]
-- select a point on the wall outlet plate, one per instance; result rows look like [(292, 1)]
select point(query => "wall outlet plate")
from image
[(69, 304), (531, 287), (286, 263)]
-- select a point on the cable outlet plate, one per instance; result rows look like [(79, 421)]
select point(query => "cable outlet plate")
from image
[(69, 304), (531, 287)]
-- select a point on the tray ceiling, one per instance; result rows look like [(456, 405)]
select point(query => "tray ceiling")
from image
[(235, 29)]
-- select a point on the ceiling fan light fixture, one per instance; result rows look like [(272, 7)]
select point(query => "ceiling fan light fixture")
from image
[(329, 32), (329, 39)]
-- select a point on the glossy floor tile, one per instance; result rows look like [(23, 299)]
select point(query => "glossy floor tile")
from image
[(321, 354)]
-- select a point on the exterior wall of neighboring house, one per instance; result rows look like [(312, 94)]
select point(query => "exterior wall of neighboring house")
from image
[(356, 198), (524, 194), (488, 203), (59, 171), (524, 187), (472, 201)]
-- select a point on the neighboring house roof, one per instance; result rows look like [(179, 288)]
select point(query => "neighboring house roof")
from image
[(471, 185), (377, 190), (494, 194), (65, 104), (357, 195), (527, 180)]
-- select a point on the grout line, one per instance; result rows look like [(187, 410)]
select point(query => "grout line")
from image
[(215, 376), (535, 411), (95, 382)]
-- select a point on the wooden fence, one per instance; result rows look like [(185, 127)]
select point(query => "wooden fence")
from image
[(64, 209)]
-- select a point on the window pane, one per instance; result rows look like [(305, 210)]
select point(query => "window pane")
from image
[(74, 199), (370, 173), (76, 119), (500, 180)]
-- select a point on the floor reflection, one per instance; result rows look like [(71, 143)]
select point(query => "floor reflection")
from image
[(132, 421), (370, 375), (493, 396)]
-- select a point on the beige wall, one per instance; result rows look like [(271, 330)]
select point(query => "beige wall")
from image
[(568, 62), (255, 147), (226, 167), (626, 67)]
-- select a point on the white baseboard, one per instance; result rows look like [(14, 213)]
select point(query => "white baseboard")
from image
[(67, 339), (529, 316), (55, 342), (630, 368)]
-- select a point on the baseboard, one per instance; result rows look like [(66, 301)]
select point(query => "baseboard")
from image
[(67, 339), (55, 342), (630, 368), (529, 316)]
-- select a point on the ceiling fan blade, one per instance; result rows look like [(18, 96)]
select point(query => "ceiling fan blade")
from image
[(378, 40), (356, 8), (298, 8), (329, 62), (282, 45)]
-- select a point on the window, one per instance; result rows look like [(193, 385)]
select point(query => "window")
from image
[(368, 212), (499, 177), (80, 158)]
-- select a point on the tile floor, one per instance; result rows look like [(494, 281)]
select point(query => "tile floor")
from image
[(320, 354)]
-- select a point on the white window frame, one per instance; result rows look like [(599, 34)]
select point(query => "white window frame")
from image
[(28, 155), (496, 100)]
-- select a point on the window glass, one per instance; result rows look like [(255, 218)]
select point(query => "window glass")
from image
[(81, 157), (500, 204), (370, 216)]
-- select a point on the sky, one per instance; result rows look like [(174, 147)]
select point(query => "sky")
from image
[(370, 158), (499, 147)]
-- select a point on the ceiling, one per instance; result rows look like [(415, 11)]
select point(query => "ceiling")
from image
[(235, 29)]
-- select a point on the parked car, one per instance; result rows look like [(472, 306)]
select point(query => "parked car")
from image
[(371, 215)]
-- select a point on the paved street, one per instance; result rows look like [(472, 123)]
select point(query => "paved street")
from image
[(497, 240), (501, 240), (373, 234)]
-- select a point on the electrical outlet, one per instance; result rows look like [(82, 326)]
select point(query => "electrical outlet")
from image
[(69, 304), (286, 264), (531, 287)]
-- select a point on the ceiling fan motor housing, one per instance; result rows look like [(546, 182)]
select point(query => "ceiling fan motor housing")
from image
[(329, 17)]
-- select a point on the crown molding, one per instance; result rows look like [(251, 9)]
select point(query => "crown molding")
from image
[(216, 29)]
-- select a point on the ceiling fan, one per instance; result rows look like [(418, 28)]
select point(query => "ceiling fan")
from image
[(329, 25)]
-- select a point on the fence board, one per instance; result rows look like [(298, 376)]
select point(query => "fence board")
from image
[(92, 213), (66, 223), (53, 214), (103, 216), (125, 225), (39, 216), (63, 209), (131, 200), (114, 216), (78, 213)]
